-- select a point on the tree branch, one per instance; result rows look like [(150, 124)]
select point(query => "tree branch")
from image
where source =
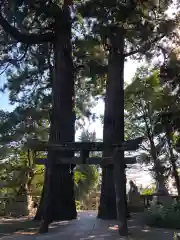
[(145, 148), (23, 37), (50, 10), (144, 48), (3, 71), (15, 61)]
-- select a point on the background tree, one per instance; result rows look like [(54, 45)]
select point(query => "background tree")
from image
[(141, 97), (86, 177), (21, 177), (169, 117), (146, 103)]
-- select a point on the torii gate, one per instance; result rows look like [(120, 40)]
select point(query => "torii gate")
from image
[(85, 148)]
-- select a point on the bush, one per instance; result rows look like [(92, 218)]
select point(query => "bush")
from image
[(78, 205), (148, 191), (167, 216)]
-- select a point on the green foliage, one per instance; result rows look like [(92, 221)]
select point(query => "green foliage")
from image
[(30, 66), (28, 70), (143, 98), (78, 205), (167, 216), (148, 106), (37, 181), (135, 19), (20, 170), (170, 116), (86, 179), (148, 191)]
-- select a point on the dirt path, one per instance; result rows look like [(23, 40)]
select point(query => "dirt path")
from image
[(84, 228)]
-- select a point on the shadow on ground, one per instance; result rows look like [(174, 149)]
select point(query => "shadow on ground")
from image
[(26, 226), (86, 227)]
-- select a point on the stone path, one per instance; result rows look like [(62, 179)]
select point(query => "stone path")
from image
[(87, 227)]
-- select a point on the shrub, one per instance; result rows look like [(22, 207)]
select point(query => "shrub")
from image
[(148, 191), (78, 205), (167, 216)]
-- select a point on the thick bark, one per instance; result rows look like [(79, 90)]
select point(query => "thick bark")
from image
[(59, 202), (114, 130), (107, 207), (120, 189), (63, 208)]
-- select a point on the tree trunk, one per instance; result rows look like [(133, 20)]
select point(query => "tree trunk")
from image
[(120, 189), (173, 159), (59, 202), (114, 128), (176, 176), (39, 211), (107, 207), (159, 177)]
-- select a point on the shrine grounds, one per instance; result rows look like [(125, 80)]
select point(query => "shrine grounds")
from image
[(87, 226)]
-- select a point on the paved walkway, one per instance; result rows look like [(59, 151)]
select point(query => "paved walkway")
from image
[(87, 227)]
